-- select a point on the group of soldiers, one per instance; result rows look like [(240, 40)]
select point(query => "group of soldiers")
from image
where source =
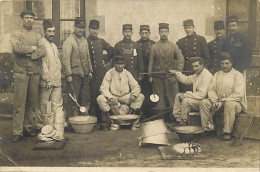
[(100, 76)]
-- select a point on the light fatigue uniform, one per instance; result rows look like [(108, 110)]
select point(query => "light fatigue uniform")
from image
[(119, 86), (227, 87), (192, 99), (51, 74), (165, 55)]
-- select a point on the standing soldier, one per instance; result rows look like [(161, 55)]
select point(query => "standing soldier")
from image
[(100, 54), (28, 50), (165, 55), (237, 46), (131, 52), (193, 45), (50, 82), (77, 66), (146, 43), (215, 45)]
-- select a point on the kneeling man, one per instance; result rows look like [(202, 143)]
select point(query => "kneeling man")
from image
[(119, 86), (226, 92), (185, 102)]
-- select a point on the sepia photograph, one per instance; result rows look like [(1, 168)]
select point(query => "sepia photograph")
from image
[(129, 85)]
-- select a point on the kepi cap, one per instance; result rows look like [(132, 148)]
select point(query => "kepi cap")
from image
[(144, 27), (232, 19), (188, 22), (27, 12), (79, 22), (94, 24), (163, 26), (47, 24), (119, 60), (127, 27), (218, 24)]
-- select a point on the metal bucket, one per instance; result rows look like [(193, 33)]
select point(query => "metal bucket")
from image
[(154, 132)]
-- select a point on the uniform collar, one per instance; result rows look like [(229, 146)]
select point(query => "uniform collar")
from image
[(221, 38), (127, 40), (191, 36), (164, 41), (46, 40), (92, 37)]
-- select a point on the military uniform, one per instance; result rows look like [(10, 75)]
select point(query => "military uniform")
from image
[(100, 54), (145, 84), (215, 48), (165, 55), (132, 53), (193, 46), (237, 46)]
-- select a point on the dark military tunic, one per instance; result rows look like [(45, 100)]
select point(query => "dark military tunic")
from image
[(238, 47), (132, 54), (191, 46), (145, 84), (100, 54), (214, 50)]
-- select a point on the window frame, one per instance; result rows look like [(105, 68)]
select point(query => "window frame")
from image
[(56, 17), (252, 24)]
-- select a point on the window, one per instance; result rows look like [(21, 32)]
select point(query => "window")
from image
[(62, 12), (248, 12)]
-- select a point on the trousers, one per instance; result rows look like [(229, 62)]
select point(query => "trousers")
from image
[(25, 102), (52, 96), (181, 109), (230, 108), (105, 107), (79, 86), (166, 89)]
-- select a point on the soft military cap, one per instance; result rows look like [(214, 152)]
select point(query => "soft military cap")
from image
[(144, 27), (232, 19), (163, 26), (127, 27), (218, 25), (47, 24), (79, 22), (119, 60), (188, 22), (94, 24), (195, 59), (27, 12)]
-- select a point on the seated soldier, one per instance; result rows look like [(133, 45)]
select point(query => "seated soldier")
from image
[(119, 86), (226, 93), (185, 102)]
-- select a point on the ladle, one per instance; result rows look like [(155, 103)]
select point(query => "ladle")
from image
[(154, 97)]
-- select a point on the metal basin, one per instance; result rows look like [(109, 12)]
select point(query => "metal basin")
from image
[(188, 133)]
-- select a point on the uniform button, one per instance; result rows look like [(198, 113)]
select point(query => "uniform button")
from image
[(194, 43), (215, 51), (194, 48), (92, 47), (214, 45), (186, 48), (132, 57), (187, 57)]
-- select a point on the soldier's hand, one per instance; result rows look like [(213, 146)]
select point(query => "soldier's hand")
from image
[(112, 101), (34, 48), (181, 97), (150, 79), (48, 85), (90, 75), (219, 105), (214, 103), (172, 71), (69, 78), (132, 98)]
